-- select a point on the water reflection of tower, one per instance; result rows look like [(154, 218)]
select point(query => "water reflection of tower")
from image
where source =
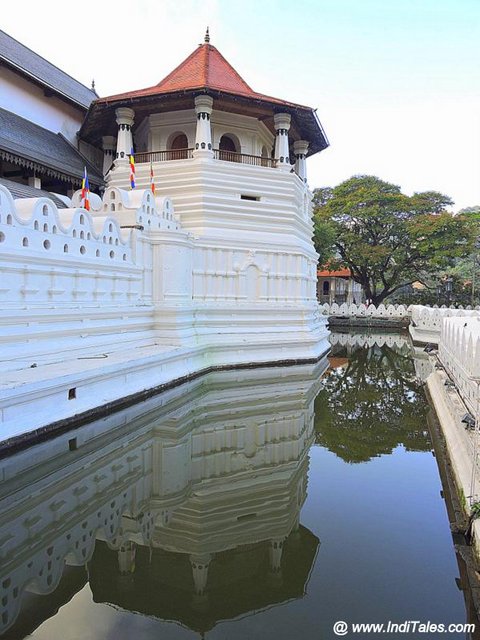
[(200, 497), (231, 542)]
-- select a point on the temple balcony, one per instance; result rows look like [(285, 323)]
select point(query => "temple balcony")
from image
[(226, 194), (219, 154)]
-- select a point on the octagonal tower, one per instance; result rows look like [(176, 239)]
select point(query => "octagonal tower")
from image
[(233, 161)]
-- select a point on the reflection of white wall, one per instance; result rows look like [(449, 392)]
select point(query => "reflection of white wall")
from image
[(396, 341), (24, 98), (159, 470)]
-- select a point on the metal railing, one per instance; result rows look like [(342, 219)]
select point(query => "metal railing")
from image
[(244, 158), (164, 156), (219, 154)]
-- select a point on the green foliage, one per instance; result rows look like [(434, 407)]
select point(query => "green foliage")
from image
[(324, 234), (470, 210), (475, 510), (435, 291), (388, 239), (371, 405)]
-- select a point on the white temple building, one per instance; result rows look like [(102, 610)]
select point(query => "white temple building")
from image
[(215, 269)]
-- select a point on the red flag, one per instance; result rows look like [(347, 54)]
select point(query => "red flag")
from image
[(152, 181), (85, 202)]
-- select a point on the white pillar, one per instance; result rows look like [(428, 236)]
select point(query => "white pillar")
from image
[(35, 182), (203, 138), (199, 564), (300, 148), (350, 290), (282, 126), (125, 117), (276, 550), (109, 145), (126, 557)]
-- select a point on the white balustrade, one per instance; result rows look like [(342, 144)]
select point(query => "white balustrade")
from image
[(394, 312), (459, 353)]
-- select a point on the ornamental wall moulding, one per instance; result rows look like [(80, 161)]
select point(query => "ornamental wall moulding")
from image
[(39, 168), (252, 260)]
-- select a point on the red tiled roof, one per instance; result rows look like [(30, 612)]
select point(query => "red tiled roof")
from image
[(339, 273), (336, 362), (205, 68)]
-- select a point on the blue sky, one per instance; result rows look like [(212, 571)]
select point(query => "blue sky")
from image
[(396, 82)]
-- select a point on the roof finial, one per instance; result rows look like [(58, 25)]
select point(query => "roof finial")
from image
[(207, 36), (93, 85)]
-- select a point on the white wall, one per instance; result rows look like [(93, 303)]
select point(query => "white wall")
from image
[(27, 100), (132, 295), (459, 352)]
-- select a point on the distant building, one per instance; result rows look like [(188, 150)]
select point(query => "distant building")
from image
[(338, 286)]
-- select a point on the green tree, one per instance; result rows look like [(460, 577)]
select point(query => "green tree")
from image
[(371, 405), (475, 210), (388, 240)]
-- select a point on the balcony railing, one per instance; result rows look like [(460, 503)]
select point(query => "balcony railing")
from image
[(164, 156), (219, 154), (244, 158)]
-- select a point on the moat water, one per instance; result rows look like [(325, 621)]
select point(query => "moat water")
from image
[(251, 504)]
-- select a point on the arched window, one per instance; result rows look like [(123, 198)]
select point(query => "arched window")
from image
[(178, 147), (228, 148), (326, 288)]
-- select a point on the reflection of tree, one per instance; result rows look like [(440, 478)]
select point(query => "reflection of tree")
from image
[(371, 405)]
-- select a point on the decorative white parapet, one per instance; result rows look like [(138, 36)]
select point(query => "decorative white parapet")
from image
[(459, 353), (454, 388), (426, 322), (396, 341), (35, 232), (390, 311)]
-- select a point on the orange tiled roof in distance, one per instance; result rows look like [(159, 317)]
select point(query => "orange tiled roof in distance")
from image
[(339, 273)]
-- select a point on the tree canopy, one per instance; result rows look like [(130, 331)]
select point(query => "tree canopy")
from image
[(387, 239), (474, 209), (371, 405)]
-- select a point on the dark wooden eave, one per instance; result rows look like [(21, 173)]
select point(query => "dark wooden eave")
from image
[(100, 119)]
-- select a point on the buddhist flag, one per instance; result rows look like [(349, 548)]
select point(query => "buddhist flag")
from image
[(132, 170), (85, 202), (152, 181)]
